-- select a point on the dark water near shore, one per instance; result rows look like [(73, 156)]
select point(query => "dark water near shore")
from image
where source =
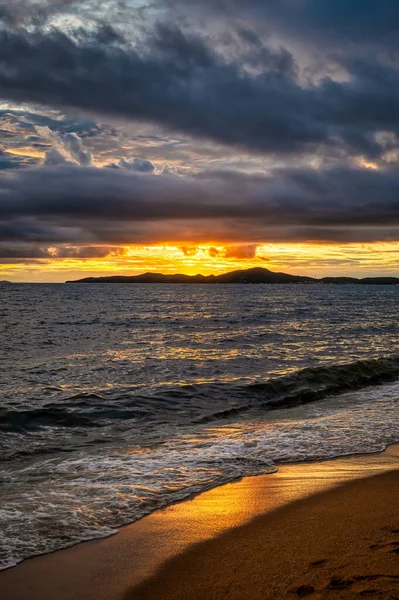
[(117, 400)]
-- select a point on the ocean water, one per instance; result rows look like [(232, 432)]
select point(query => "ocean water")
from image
[(116, 400)]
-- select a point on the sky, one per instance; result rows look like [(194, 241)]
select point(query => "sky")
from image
[(198, 137)]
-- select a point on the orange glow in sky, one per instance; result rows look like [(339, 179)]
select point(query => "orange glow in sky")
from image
[(26, 151), (315, 260)]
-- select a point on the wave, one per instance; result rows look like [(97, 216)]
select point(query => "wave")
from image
[(313, 384), (199, 403), (63, 499)]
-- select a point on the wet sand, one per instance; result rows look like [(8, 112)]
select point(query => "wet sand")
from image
[(273, 536), (340, 544)]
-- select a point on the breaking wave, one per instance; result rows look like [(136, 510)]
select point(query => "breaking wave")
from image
[(195, 404)]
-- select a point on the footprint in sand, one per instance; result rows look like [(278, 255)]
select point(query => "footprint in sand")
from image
[(337, 583), (392, 546), (304, 591), (319, 563)]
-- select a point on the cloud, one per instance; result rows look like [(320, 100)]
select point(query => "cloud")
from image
[(21, 120), (359, 21), (8, 161), (169, 170), (11, 161), (65, 148), (322, 21), (74, 205), (242, 252), (27, 12), (189, 251), (25, 251), (181, 81), (213, 252), (140, 165), (287, 82)]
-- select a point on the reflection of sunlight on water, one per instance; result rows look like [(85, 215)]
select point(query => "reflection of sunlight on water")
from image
[(126, 430), (168, 334), (173, 353)]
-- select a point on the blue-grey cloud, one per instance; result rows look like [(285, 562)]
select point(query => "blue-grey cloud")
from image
[(77, 205), (21, 251), (140, 165), (325, 22), (180, 81), (28, 119), (245, 82), (10, 161), (22, 12)]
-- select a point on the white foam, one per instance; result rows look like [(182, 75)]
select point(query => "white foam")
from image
[(56, 502)]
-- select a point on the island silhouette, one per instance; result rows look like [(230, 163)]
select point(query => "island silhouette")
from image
[(257, 275)]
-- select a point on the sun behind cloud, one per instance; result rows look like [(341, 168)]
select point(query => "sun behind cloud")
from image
[(317, 260)]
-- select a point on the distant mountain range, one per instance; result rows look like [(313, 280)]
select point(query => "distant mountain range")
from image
[(256, 275)]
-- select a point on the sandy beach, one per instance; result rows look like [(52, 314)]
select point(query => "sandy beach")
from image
[(340, 544), (327, 529)]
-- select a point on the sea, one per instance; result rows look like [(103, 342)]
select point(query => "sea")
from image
[(117, 400)]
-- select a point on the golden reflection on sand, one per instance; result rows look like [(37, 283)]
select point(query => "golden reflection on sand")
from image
[(231, 505), (116, 564)]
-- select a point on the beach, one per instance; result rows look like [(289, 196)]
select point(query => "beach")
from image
[(341, 544), (199, 300), (327, 529)]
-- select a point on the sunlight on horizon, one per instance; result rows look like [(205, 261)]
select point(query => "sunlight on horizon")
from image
[(315, 260)]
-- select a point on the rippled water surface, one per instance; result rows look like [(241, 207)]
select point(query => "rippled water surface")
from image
[(118, 399)]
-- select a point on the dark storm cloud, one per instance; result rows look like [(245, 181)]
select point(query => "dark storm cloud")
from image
[(32, 230), (106, 206), (180, 81), (25, 251), (360, 21), (355, 20)]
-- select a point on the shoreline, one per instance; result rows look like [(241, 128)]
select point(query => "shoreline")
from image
[(108, 568)]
